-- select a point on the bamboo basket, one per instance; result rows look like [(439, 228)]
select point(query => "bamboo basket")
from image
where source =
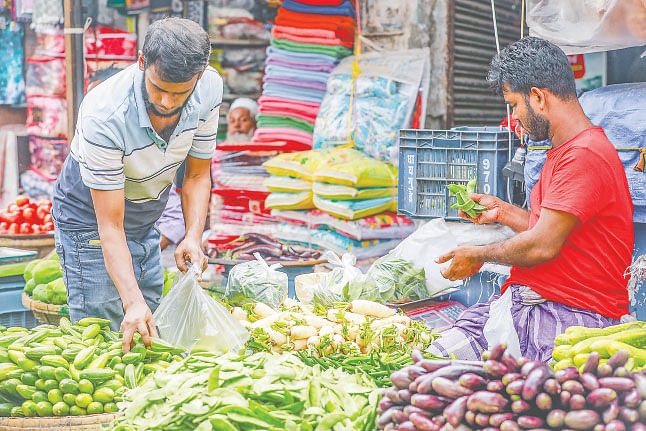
[(45, 313), (66, 423), (42, 243)]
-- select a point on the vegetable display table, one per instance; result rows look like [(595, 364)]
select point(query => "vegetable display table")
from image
[(292, 269)]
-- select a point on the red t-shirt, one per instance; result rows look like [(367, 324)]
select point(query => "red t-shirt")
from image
[(584, 177)]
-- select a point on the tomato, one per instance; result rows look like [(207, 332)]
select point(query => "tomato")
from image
[(13, 228), (47, 219), (4, 225), (22, 200), (13, 207), (41, 212), (35, 228), (31, 205), (28, 215), (13, 217), (45, 203), (48, 227), (25, 228)]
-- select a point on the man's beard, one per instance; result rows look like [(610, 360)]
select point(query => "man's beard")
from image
[(151, 108), (538, 127), (240, 137)]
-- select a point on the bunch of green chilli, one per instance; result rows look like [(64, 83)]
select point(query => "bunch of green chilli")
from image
[(396, 280), (462, 192), (207, 392)]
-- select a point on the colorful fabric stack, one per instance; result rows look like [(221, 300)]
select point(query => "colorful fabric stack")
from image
[(309, 39)]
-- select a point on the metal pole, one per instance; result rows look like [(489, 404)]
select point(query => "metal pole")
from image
[(74, 77)]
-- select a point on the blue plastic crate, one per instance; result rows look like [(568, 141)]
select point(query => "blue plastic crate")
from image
[(12, 312), (429, 160)]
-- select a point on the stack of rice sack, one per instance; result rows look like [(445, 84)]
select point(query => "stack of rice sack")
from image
[(345, 185)]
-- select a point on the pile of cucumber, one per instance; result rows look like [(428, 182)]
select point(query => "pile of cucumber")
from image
[(72, 369)]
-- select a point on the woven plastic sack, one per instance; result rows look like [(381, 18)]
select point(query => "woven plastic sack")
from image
[(353, 168), (290, 201), (298, 165), (580, 26), (255, 281), (189, 318), (353, 210), (347, 193), (287, 185)]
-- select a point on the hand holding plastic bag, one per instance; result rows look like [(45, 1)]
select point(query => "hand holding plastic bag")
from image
[(189, 318), (255, 281)]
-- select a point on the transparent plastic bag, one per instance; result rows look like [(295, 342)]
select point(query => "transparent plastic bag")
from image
[(189, 318), (255, 281), (580, 26), (343, 284), (499, 328)]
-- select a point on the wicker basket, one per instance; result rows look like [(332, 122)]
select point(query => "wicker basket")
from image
[(90, 422), (45, 313), (43, 243)]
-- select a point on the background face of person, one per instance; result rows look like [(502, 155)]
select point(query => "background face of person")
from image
[(240, 122)]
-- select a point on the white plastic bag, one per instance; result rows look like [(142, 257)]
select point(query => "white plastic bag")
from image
[(189, 318), (255, 281), (423, 246), (500, 325), (343, 284)]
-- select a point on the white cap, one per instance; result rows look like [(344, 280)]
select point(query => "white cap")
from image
[(246, 103)]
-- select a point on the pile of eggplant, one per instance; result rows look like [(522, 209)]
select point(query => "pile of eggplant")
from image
[(270, 249), (508, 394)]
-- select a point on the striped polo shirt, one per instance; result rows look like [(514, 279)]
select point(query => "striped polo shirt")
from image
[(116, 147)]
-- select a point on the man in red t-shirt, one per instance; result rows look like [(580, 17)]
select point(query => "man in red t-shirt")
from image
[(571, 251)]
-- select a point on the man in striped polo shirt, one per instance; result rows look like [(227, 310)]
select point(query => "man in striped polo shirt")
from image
[(133, 132)]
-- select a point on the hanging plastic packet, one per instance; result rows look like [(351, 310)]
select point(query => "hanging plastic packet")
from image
[(255, 281), (343, 284), (189, 318)]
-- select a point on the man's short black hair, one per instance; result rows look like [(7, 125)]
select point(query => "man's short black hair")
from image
[(179, 48), (532, 62)]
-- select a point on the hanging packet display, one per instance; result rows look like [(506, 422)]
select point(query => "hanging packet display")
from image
[(347, 193), (353, 168)]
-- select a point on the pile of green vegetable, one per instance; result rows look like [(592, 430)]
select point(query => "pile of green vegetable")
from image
[(262, 391), (72, 369), (395, 280), (462, 192), (44, 281)]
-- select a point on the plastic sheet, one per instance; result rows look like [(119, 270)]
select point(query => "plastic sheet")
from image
[(343, 284), (188, 317), (580, 26), (620, 110), (244, 58), (255, 281), (385, 96), (242, 82)]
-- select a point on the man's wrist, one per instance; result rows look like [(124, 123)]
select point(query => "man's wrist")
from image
[(133, 299)]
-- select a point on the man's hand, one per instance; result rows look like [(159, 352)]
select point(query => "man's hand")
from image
[(492, 215), (191, 250), (138, 318), (464, 264)]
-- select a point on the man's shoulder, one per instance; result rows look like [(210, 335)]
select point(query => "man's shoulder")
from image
[(208, 92), (111, 97)]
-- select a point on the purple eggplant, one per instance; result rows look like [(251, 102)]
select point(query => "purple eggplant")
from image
[(428, 402), (472, 381), (589, 381), (611, 412), (454, 412), (615, 425), (621, 372), (470, 417), (415, 371), (406, 426), (496, 353), (386, 417), (535, 381), (399, 416), (529, 422), (599, 427), (515, 387), (601, 397), (592, 363), (529, 367), (495, 386), (424, 383), (642, 411), (551, 386), (628, 415), (416, 355), (449, 388), (495, 368), (632, 398), (385, 403), (422, 423), (497, 419), (604, 370), (482, 419), (413, 387), (577, 402), (509, 426), (619, 359), (543, 401), (638, 427), (431, 365), (391, 426), (400, 379), (566, 374), (581, 420), (261, 239), (640, 383), (486, 402), (520, 407), (439, 420), (509, 361), (617, 383), (263, 249), (412, 409), (405, 395), (573, 387), (565, 398), (556, 419), (393, 395), (511, 377), (490, 429)]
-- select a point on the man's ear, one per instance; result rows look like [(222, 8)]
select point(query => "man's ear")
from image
[(538, 99), (140, 60)]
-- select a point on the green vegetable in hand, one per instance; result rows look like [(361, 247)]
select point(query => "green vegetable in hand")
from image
[(462, 192)]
